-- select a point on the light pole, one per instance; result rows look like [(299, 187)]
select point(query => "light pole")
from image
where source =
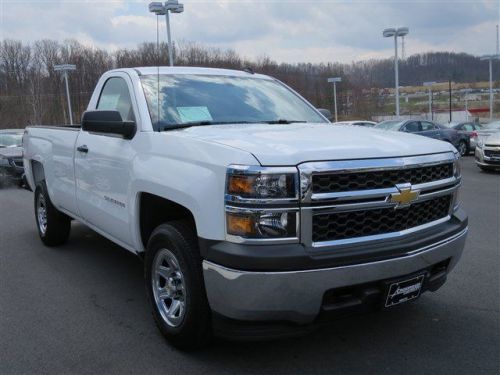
[(65, 68), (400, 31), (334, 80), (429, 85), (490, 58), (163, 10), (466, 97)]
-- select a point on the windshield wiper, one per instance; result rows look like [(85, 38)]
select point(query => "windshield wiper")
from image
[(202, 123), (283, 121)]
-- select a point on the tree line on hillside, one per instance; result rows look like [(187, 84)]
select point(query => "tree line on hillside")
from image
[(31, 92)]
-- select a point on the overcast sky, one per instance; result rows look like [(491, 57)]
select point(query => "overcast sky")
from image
[(284, 30)]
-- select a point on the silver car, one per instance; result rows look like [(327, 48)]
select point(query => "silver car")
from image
[(471, 130), (488, 147), (366, 123)]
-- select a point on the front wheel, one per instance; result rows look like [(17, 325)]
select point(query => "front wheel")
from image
[(175, 287), (53, 226)]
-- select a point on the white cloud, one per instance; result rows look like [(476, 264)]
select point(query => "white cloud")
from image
[(289, 31)]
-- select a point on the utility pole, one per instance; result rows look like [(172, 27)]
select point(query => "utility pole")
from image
[(490, 58), (449, 87), (392, 32), (429, 85), (498, 43), (334, 80), (65, 68), (164, 10)]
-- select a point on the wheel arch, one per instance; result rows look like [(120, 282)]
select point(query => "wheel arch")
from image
[(38, 173), (154, 210)]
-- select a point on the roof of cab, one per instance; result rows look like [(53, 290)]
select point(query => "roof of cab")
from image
[(192, 70)]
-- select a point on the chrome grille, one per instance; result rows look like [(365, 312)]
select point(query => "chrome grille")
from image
[(344, 225), (337, 182), (492, 153), (345, 202)]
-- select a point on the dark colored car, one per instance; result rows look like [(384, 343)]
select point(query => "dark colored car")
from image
[(470, 129), (429, 129), (11, 156)]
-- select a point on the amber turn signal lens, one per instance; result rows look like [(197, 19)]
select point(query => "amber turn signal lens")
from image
[(239, 225), (240, 185)]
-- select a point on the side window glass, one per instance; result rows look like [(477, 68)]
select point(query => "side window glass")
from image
[(115, 96), (426, 126), (412, 127), (468, 127)]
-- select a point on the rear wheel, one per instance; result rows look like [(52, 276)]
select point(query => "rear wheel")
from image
[(462, 148), (175, 287), (53, 226)]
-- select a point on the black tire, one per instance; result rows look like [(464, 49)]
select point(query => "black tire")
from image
[(58, 225), (194, 330), (485, 169), (463, 148)]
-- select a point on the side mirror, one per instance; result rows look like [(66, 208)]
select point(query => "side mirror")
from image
[(108, 122), (325, 112)]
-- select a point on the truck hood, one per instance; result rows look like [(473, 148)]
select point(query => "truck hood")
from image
[(296, 143)]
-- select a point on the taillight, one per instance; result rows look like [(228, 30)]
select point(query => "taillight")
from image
[(473, 134)]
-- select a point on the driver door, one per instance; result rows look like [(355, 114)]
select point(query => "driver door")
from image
[(102, 169), (429, 129)]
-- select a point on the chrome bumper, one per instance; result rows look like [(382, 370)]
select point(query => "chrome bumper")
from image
[(485, 161), (297, 296)]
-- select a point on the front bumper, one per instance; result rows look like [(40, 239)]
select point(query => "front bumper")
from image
[(485, 161), (297, 296)]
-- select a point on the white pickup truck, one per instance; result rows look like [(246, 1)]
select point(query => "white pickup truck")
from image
[(254, 215)]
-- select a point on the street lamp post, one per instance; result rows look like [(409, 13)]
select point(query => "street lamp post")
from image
[(163, 10), (334, 80), (429, 85), (490, 58), (65, 68), (466, 97), (392, 32)]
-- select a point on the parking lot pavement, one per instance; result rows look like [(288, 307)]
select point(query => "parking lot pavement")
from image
[(81, 309)]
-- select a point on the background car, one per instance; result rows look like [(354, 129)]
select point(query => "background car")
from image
[(470, 129), (11, 156), (488, 151), (429, 129), (492, 127), (369, 124)]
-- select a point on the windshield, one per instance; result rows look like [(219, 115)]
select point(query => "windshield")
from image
[(210, 99), (11, 139), (492, 126), (389, 125)]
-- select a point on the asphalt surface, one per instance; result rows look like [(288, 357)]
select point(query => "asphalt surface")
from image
[(81, 309)]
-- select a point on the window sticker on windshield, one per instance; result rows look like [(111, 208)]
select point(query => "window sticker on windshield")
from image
[(194, 114)]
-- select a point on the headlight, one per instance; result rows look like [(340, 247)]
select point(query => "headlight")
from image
[(261, 183), (253, 199), (457, 173), (456, 166), (261, 224)]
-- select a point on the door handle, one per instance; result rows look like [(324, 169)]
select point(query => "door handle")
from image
[(83, 149)]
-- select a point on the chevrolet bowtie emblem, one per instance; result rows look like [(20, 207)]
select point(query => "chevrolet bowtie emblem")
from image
[(404, 197)]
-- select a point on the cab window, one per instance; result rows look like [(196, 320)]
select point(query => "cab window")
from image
[(116, 96)]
